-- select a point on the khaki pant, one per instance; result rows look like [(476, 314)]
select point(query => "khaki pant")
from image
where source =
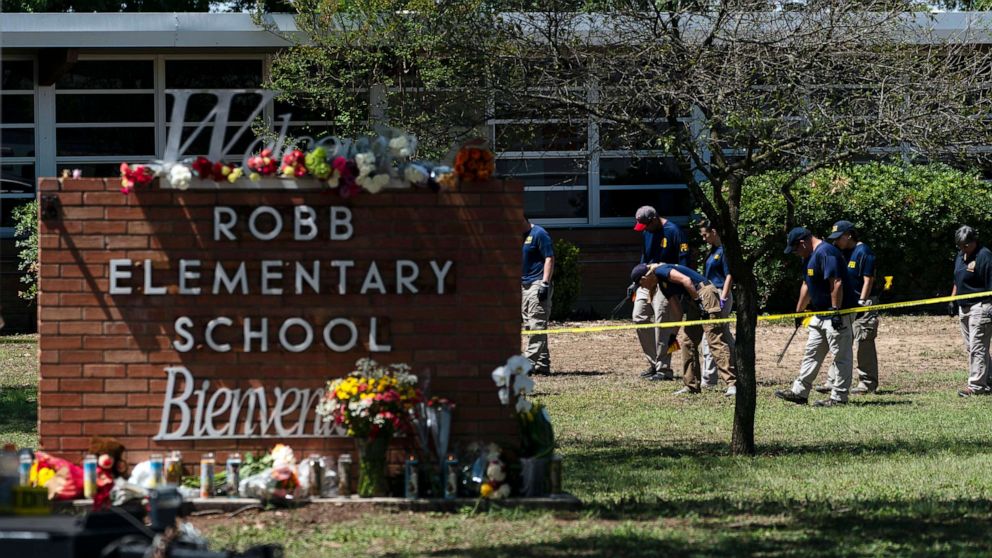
[(822, 338), (709, 365), (976, 329), (865, 331), (691, 336), (535, 316), (650, 306)]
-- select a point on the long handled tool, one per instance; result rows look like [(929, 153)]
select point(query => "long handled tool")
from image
[(629, 296), (617, 308), (787, 343)]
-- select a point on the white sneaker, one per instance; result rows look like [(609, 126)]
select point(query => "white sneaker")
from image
[(731, 391)]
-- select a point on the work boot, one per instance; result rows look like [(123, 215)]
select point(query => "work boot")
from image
[(791, 397), (862, 389), (824, 388), (829, 403), (687, 391)]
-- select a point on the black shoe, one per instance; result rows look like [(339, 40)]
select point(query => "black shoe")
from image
[(542, 372), (829, 403), (791, 397), (823, 388), (659, 377), (968, 392)]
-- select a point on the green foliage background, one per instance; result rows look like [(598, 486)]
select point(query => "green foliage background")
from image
[(567, 280), (26, 230), (907, 214)]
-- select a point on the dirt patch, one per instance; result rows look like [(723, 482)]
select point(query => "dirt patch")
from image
[(906, 346)]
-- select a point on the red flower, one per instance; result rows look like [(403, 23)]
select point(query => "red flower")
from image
[(202, 167)]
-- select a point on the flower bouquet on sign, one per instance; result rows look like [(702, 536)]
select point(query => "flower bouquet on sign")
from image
[(373, 404), (537, 437)]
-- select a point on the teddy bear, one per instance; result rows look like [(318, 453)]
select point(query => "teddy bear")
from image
[(110, 464), (495, 486)]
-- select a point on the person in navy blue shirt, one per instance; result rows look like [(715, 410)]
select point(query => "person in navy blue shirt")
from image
[(861, 269), (826, 287), (691, 296), (662, 241), (717, 272), (973, 275), (536, 294)]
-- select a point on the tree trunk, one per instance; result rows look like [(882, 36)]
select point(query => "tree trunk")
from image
[(742, 442)]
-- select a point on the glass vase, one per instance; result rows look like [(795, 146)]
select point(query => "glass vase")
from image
[(372, 466)]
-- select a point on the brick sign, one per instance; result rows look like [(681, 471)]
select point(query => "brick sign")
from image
[(211, 321)]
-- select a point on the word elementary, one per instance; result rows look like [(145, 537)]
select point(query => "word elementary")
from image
[(279, 277)]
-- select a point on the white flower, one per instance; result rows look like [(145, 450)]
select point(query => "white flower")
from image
[(179, 177), (501, 376), (517, 364), (399, 146), (365, 163), (504, 396), (374, 184), (522, 383), (415, 174), (523, 405)]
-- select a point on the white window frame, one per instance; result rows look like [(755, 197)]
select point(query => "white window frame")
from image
[(8, 232)]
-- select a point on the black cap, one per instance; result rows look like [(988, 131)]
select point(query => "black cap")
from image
[(639, 271), (839, 228), (795, 235)]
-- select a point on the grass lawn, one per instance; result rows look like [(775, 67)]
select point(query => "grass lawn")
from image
[(19, 390), (905, 472)]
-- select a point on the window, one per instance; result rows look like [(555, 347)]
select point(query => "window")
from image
[(586, 172), (17, 139), (105, 113)]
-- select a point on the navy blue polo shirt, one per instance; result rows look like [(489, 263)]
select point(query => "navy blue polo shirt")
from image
[(860, 264), (666, 245), (825, 263), (537, 247), (716, 269), (670, 288), (974, 275)]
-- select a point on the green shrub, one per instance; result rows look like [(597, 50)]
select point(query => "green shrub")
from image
[(906, 213), (567, 279), (26, 230)]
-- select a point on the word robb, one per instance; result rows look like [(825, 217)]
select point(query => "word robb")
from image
[(277, 277)]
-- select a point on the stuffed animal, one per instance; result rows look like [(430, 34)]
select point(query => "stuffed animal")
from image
[(495, 486), (110, 464), (64, 480)]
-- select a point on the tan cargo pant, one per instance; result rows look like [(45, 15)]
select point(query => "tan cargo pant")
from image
[(976, 329), (691, 336), (823, 337), (865, 332), (709, 365), (650, 306), (535, 315)]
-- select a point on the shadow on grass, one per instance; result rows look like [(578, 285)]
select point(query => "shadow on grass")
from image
[(887, 403), (578, 373), (915, 528), (18, 409)]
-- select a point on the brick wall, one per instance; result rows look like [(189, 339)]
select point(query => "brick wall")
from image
[(103, 356)]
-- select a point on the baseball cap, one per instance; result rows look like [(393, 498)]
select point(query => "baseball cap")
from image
[(640, 270), (839, 228), (644, 216), (795, 235)]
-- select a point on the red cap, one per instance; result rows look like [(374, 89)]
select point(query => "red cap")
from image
[(640, 227)]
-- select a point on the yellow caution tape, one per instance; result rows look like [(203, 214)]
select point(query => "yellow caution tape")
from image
[(765, 318)]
